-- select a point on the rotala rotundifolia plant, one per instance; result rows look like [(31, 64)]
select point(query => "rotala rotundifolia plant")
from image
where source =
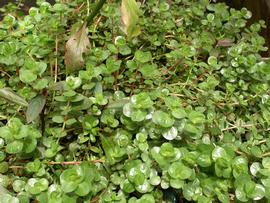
[(133, 101)]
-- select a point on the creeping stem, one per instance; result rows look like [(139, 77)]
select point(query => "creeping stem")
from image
[(98, 6)]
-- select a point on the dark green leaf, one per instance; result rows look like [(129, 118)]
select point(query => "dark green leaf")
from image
[(35, 107)]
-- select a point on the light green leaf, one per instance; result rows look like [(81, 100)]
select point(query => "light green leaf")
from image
[(179, 170), (3, 167), (141, 101), (36, 186), (163, 119), (240, 194), (192, 131), (255, 168), (212, 61), (224, 198), (149, 71), (204, 160), (73, 82), (29, 145), (7, 198), (170, 134), (218, 152), (14, 147), (167, 150), (83, 188), (179, 113), (24, 132), (143, 57), (27, 76), (196, 117), (138, 115), (266, 162), (259, 192), (18, 185), (70, 179), (127, 186), (177, 183)]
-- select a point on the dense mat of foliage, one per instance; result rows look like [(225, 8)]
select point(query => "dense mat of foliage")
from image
[(181, 102)]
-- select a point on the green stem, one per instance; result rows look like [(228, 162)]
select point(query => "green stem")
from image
[(97, 8)]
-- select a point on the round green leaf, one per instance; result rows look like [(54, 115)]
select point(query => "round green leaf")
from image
[(170, 134), (144, 187), (90, 122), (139, 178), (24, 132), (218, 152), (141, 101), (36, 186), (204, 160), (149, 71), (7, 198), (14, 147), (27, 76), (196, 117), (259, 192), (138, 115), (127, 186), (192, 191), (240, 166), (18, 185), (255, 168), (266, 162), (167, 150), (240, 194), (192, 131), (177, 183), (147, 198), (143, 57), (179, 170), (179, 113), (155, 180), (70, 179), (3, 167), (83, 188), (163, 119), (212, 61), (29, 145)]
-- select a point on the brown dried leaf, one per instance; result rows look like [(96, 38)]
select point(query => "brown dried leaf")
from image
[(225, 43), (130, 17), (12, 97), (75, 48)]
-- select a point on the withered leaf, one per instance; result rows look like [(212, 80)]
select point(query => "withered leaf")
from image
[(11, 96), (224, 43), (76, 46), (130, 17)]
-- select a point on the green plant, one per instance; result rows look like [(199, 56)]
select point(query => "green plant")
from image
[(175, 96)]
